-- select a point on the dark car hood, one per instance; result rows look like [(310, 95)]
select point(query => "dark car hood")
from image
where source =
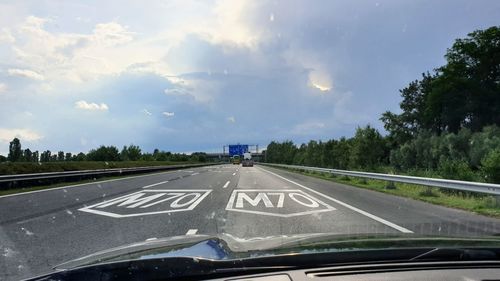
[(226, 246)]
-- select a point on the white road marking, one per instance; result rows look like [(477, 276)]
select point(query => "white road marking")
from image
[(154, 184), (192, 231), (194, 174), (225, 185), (137, 200), (240, 197), (234, 174), (374, 217)]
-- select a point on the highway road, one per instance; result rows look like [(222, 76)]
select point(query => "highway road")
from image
[(39, 230)]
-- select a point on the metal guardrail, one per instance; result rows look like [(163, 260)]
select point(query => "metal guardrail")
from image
[(487, 188), (99, 172)]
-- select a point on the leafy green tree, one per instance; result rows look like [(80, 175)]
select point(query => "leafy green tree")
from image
[(367, 148), (481, 143), (147, 157), (402, 127), (491, 166), (196, 156), (3, 158), (80, 157), (461, 94), (45, 156), (36, 156), (60, 156), (27, 155), (68, 156), (15, 151), (104, 153)]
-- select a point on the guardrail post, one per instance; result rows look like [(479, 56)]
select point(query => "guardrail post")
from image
[(390, 185), (497, 200)]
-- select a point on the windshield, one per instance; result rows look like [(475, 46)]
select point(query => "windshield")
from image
[(123, 121)]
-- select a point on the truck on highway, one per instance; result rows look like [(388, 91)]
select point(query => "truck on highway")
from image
[(247, 159), (235, 160)]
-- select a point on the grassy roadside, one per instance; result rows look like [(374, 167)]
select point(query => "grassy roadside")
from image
[(484, 205), (42, 167), (76, 182), (50, 186)]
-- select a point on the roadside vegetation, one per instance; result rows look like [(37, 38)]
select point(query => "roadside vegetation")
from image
[(21, 161), (448, 127), (477, 203)]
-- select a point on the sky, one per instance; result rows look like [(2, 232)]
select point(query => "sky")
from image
[(190, 75)]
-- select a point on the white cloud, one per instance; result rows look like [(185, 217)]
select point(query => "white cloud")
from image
[(91, 106), (168, 114), (321, 87), (231, 119), (6, 135), (307, 128), (3, 87), (111, 34), (175, 92), (145, 111), (76, 57), (26, 73), (6, 36)]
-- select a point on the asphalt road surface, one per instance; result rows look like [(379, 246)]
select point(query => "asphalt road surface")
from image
[(39, 230)]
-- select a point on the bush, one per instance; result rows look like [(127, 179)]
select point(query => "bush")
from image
[(491, 166), (455, 169)]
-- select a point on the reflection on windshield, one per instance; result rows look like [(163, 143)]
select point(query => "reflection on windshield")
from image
[(256, 121)]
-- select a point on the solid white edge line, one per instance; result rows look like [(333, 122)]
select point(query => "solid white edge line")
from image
[(88, 183), (192, 231), (374, 217), (226, 184)]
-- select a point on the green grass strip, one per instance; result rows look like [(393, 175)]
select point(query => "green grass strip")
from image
[(481, 204)]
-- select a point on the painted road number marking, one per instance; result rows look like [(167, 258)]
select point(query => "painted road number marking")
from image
[(148, 202), (279, 203)]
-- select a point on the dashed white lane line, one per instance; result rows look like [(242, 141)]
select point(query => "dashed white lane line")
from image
[(225, 185), (192, 231), (83, 184), (154, 184), (374, 217), (194, 174), (234, 174)]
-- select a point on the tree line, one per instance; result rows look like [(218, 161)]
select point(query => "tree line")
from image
[(102, 153), (449, 123)]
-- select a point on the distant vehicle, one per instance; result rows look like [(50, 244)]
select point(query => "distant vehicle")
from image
[(236, 160), (247, 159)]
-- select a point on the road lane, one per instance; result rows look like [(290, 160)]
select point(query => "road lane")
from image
[(46, 234), (420, 217), (40, 230), (294, 217)]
